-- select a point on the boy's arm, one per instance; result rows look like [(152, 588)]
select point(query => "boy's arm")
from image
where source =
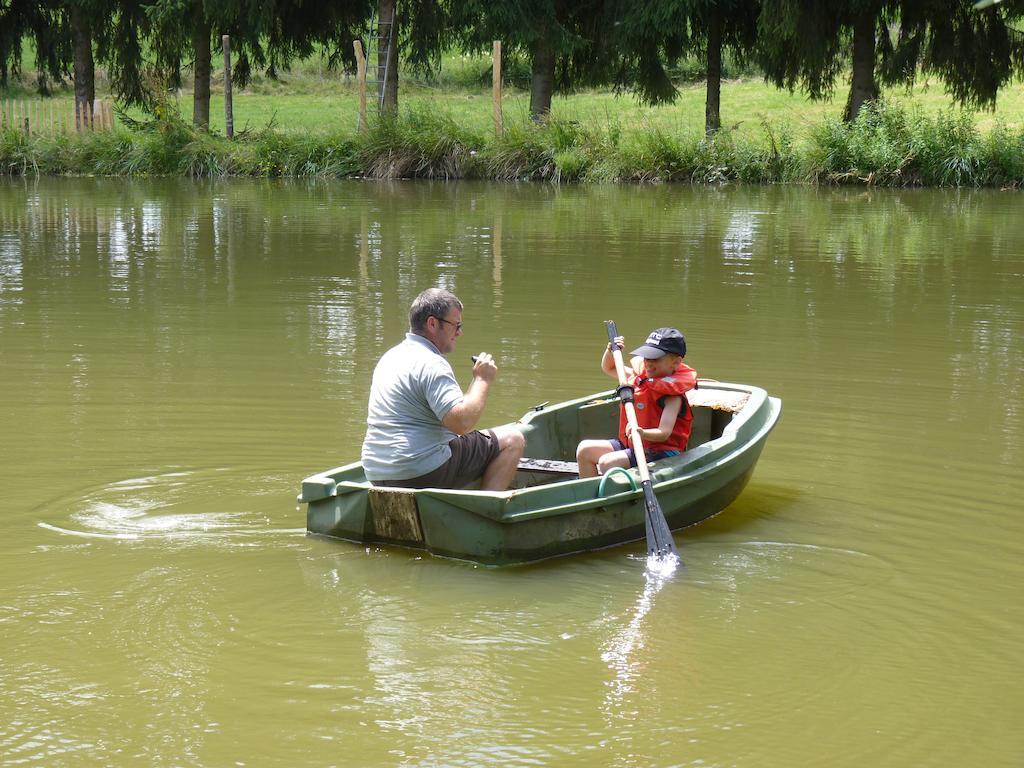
[(667, 423), (608, 360)]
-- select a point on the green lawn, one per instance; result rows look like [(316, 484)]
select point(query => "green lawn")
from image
[(746, 105), (445, 130), (311, 99)]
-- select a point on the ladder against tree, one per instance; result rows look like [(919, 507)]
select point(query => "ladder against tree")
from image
[(380, 37)]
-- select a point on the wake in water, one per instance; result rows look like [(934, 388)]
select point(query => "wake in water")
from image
[(145, 508), (624, 647), (663, 566)]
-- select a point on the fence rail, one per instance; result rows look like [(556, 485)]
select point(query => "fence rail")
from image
[(38, 116)]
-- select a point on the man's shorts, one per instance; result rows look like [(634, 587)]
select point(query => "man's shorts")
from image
[(471, 454), (650, 455)]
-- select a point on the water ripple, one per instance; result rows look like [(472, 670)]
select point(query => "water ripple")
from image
[(147, 508)]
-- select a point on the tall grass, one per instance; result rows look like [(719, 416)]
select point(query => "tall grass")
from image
[(887, 146), (890, 146), (419, 144)]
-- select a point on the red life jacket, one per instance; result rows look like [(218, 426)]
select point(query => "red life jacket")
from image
[(649, 397)]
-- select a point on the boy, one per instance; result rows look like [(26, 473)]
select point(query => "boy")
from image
[(660, 381)]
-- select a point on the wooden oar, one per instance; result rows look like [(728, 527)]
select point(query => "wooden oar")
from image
[(659, 535)]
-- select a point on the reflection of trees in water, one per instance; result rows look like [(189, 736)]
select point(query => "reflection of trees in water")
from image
[(330, 269)]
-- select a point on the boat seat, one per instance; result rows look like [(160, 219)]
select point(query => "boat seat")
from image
[(717, 399), (549, 466)]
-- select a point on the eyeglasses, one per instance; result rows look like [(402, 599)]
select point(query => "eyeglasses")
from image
[(458, 326)]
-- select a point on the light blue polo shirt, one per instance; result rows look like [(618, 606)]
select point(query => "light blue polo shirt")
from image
[(413, 389)]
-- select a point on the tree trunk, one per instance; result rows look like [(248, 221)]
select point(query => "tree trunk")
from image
[(712, 104), (543, 83), (863, 87), (85, 70), (387, 56), (174, 76), (201, 32)]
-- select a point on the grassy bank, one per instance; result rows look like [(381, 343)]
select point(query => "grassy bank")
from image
[(303, 124), (890, 146)]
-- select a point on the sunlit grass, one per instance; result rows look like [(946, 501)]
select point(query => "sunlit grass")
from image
[(304, 124), (746, 105), (312, 98)]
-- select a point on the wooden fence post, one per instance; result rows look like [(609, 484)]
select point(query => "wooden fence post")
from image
[(361, 83), (229, 112), (499, 127)]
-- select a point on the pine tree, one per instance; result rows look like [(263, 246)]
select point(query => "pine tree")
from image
[(808, 44)]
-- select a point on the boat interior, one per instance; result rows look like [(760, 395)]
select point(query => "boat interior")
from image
[(552, 434)]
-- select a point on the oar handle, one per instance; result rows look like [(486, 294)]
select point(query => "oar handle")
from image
[(625, 393), (612, 332), (620, 368)]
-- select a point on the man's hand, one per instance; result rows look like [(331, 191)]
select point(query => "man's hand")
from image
[(463, 417), (484, 368)]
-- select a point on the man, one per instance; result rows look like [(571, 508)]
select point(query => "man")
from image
[(419, 423)]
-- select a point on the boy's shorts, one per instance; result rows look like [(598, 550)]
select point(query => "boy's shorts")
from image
[(471, 454), (650, 455)]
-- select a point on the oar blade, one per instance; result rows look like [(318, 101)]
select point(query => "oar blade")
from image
[(659, 536)]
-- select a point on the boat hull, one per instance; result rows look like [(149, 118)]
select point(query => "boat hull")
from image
[(542, 521)]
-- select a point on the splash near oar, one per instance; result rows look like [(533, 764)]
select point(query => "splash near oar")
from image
[(659, 536)]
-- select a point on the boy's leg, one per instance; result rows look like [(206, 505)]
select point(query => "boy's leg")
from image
[(614, 459), (589, 452)]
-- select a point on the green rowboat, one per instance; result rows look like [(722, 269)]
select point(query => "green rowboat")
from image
[(549, 511)]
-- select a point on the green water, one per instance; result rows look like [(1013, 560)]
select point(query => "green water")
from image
[(176, 357)]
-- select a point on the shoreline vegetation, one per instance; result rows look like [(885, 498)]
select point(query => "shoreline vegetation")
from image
[(589, 138)]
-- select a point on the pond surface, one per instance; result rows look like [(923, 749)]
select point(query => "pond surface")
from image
[(176, 357)]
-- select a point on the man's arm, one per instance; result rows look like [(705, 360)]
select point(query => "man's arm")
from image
[(463, 416)]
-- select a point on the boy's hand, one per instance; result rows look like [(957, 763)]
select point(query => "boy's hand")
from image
[(639, 432), (620, 342)]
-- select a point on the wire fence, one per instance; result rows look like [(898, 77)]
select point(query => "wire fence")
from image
[(39, 116)]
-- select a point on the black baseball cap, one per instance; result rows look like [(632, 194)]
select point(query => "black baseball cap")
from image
[(660, 342)]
